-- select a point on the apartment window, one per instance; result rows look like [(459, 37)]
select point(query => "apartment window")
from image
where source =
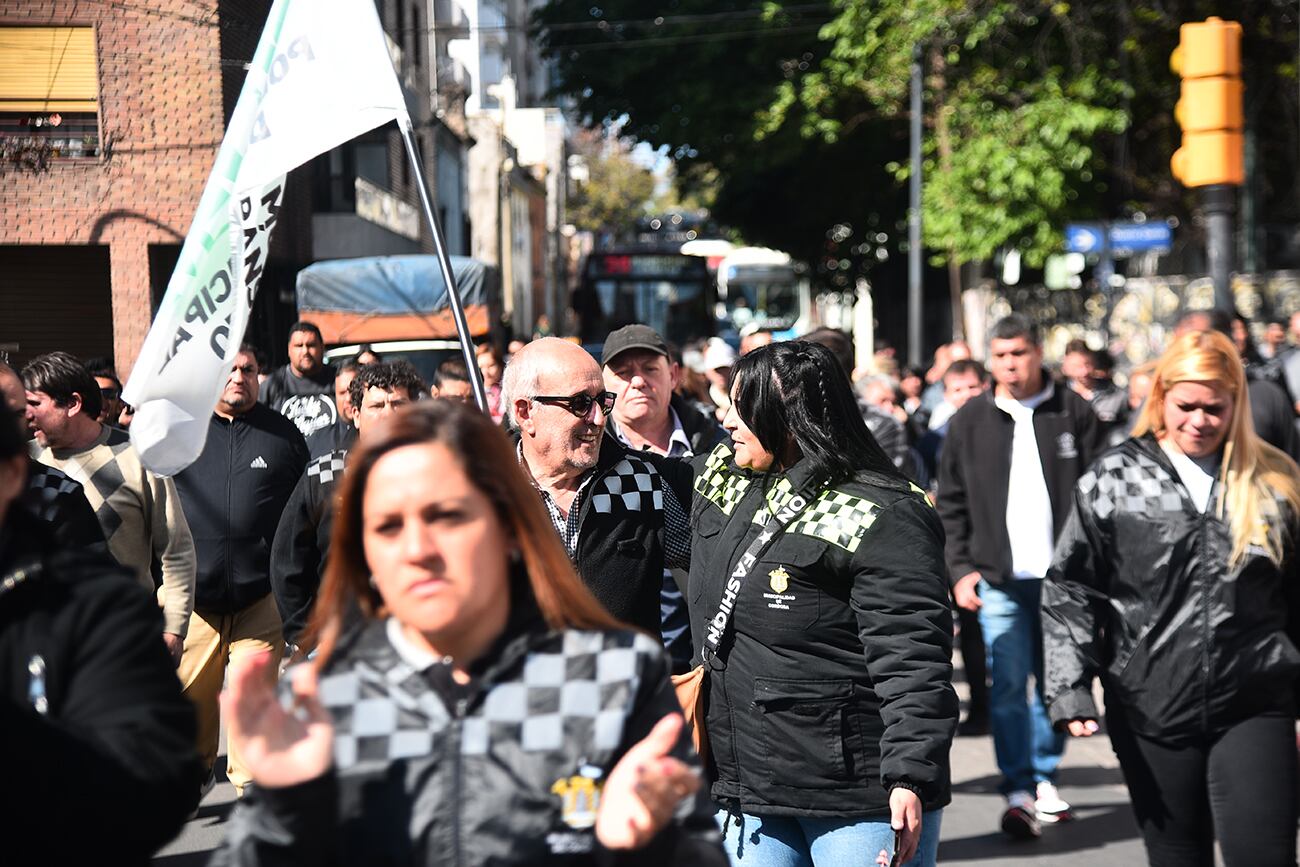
[(49, 94)]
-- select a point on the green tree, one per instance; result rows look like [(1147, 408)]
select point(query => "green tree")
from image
[(616, 189), (1038, 112)]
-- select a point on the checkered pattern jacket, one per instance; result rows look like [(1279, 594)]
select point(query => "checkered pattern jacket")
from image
[(302, 541), (506, 771), (59, 500), (632, 523), (837, 679), (1141, 595)]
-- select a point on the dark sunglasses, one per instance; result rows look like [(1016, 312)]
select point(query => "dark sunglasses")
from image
[(580, 404), (110, 393)]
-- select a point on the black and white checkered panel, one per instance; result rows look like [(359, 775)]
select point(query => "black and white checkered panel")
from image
[(329, 466), (46, 486), (632, 485), (381, 717), (582, 694), (1133, 483), (839, 518), (717, 484)]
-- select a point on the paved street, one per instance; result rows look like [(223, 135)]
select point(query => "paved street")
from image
[(1102, 832)]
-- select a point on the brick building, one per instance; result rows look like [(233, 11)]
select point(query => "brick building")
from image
[(110, 118)]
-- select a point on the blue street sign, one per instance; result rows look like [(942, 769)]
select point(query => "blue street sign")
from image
[(1140, 237), (1084, 238)]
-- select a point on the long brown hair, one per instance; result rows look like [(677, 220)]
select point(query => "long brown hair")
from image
[(1252, 472), (484, 453)]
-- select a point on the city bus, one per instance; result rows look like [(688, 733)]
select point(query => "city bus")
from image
[(652, 285), (761, 288)]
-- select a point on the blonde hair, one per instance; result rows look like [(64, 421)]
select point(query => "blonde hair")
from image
[(1252, 473)]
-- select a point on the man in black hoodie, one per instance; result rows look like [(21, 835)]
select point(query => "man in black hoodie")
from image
[(233, 496)]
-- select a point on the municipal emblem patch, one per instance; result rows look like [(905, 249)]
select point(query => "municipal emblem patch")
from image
[(779, 579), (580, 797)]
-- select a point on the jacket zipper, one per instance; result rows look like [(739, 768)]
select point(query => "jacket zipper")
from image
[(1205, 613), (230, 483), (457, 771)]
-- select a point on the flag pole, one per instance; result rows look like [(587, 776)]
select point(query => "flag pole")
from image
[(444, 260)]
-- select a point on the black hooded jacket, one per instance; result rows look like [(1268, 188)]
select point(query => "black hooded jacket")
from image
[(95, 726), (837, 684), (1142, 596)]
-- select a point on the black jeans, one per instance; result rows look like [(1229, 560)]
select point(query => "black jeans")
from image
[(1239, 786)]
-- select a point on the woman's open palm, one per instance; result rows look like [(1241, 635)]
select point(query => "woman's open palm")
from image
[(279, 747)]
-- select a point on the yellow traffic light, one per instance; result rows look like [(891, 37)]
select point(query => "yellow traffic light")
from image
[(1209, 110)]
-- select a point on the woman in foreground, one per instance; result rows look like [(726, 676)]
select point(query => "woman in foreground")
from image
[(1175, 582), (486, 709)]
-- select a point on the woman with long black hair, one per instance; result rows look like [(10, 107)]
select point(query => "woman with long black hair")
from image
[(819, 606)]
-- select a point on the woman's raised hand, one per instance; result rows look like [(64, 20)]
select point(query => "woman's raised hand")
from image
[(644, 789), (279, 747)]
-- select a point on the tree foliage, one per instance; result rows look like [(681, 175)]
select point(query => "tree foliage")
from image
[(616, 189), (1037, 112)]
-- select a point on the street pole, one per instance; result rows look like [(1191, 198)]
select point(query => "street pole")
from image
[(1105, 273), (914, 221), (440, 247), (1218, 201)]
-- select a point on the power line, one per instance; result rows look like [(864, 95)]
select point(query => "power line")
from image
[(686, 40)]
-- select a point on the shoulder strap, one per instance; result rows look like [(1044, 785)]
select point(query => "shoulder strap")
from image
[(717, 627)]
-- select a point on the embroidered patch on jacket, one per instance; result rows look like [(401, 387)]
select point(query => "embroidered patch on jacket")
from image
[(580, 797)]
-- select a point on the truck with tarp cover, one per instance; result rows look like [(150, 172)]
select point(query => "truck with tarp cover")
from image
[(399, 306)]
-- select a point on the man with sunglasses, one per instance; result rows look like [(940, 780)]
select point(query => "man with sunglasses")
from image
[(110, 390), (619, 512)]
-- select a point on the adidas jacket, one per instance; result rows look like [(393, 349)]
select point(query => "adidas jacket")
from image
[(837, 684), (505, 770), (302, 542), (233, 496)]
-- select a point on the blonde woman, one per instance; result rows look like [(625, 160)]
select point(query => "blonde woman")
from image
[(1175, 582)]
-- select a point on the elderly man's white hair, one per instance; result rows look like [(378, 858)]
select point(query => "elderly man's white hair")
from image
[(524, 371)]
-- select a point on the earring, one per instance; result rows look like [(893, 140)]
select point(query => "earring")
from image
[(516, 556), (373, 585)]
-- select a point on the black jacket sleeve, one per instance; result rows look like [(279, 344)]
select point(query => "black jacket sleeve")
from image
[(1074, 600), (296, 559), (900, 599), (953, 505), (692, 837), (115, 749), (295, 825)]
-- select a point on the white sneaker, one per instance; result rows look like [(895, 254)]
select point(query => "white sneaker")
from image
[(1048, 803), (1020, 819)]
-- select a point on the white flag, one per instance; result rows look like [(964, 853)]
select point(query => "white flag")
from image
[(321, 76)]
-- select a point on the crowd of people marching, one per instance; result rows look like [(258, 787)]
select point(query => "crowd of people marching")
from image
[(661, 606)]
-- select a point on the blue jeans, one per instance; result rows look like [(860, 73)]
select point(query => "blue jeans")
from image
[(1028, 750), (792, 841)]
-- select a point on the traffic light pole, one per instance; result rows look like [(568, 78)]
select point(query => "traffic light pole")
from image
[(1219, 203)]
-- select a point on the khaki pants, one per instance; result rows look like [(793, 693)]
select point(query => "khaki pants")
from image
[(213, 642)]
